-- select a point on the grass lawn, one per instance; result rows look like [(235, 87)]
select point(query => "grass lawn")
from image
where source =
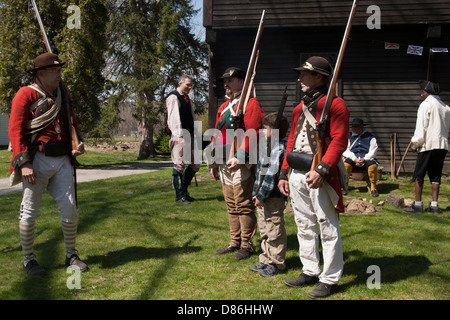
[(140, 244)]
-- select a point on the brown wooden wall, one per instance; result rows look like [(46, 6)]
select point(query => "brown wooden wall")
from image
[(225, 14), (378, 85)]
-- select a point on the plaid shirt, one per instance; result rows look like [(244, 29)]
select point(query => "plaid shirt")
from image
[(269, 173)]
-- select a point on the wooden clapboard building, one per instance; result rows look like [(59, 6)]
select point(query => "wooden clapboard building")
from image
[(380, 85)]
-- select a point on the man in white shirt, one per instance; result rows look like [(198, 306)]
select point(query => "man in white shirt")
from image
[(361, 152), (431, 141), (180, 120)]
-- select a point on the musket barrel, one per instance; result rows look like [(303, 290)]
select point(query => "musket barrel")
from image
[(329, 99), (41, 25), (332, 86), (251, 65), (247, 82)]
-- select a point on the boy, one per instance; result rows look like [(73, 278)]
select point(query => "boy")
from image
[(269, 201)]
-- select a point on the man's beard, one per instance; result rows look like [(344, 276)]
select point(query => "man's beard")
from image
[(305, 88), (230, 94)]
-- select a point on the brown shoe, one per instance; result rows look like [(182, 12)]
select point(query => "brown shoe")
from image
[(243, 254), (227, 249)]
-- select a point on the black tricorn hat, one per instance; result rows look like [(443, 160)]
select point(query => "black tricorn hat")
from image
[(357, 122), (317, 64), (430, 87), (46, 60), (233, 72)]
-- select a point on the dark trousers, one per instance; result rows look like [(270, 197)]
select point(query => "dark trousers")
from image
[(181, 182)]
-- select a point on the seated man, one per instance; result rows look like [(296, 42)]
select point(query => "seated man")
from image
[(361, 152)]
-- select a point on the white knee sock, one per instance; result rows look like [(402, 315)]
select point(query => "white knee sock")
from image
[(70, 236), (26, 231)]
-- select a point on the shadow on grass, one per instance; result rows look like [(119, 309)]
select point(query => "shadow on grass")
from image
[(361, 190), (117, 258), (392, 269)]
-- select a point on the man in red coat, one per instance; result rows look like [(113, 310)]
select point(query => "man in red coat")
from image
[(235, 172), (40, 131), (315, 194)]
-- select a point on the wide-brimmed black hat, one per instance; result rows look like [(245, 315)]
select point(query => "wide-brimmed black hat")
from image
[(357, 122), (233, 72), (430, 87), (317, 64), (46, 60)]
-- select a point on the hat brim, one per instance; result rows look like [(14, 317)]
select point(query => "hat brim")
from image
[(313, 69), (221, 78), (61, 64)]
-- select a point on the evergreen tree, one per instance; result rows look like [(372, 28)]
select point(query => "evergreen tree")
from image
[(82, 45), (151, 44)]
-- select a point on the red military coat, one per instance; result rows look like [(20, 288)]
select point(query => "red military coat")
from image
[(17, 131), (253, 117), (336, 140)]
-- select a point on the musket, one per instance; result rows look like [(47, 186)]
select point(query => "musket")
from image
[(277, 123), (248, 84), (332, 87), (73, 137)]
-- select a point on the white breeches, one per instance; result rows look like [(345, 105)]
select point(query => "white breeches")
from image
[(56, 175), (314, 211)]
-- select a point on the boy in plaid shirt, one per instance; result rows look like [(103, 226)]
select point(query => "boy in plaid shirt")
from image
[(270, 202)]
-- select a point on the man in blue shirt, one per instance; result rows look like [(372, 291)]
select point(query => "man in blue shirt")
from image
[(361, 152)]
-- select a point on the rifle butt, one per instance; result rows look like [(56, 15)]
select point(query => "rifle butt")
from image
[(75, 140), (319, 152), (316, 160)]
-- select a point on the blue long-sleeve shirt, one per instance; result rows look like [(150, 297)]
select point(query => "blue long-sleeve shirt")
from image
[(269, 173)]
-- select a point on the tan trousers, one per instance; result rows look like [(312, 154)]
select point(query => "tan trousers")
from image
[(372, 172), (237, 186), (273, 232)]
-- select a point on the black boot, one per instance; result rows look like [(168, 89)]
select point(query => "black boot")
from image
[(188, 175), (177, 185)]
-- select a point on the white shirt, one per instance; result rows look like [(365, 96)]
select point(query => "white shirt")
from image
[(432, 125), (173, 116), (372, 154)]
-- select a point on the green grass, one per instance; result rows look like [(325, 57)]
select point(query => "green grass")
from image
[(139, 244)]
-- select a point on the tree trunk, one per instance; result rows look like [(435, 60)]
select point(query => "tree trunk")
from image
[(146, 149)]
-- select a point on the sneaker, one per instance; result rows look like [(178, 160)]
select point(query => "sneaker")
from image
[(75, 261), (258, 266), (33, 268), (268, 271), (374, 193), (434, 209), (243, 254), (227, 249), (189, 198), (322, 290), (414, 209), (182, 201), (302, 280)]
